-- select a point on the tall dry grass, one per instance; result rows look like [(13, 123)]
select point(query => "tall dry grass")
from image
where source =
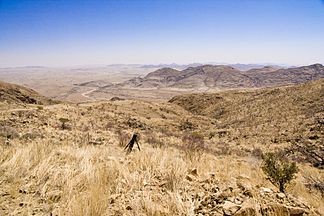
[(41, 178)]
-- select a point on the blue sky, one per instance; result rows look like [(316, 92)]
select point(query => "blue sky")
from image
[(76, 32)]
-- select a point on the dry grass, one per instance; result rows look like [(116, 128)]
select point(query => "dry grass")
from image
[(84, 171), (101, 180)]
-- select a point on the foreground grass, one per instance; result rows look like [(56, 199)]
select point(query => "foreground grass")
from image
[(81, 169), (41, 178)]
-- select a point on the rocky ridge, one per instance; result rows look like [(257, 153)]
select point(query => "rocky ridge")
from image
[(225, 77), (12, 93)]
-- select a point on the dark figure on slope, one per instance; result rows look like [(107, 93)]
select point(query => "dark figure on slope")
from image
[(131, 143)]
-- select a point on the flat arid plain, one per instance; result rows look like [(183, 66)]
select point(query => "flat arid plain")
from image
[(213, 139), (65, 83)]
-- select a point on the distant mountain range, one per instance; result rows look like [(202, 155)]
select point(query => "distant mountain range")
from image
[(225, 77), (238, 66)]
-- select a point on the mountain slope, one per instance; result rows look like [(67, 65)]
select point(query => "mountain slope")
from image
[(281, 116), (160, 78), (269, 76), (225, 77), (212, 77), (12, 93)]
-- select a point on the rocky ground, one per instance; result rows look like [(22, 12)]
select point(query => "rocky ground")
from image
[(69, 159)]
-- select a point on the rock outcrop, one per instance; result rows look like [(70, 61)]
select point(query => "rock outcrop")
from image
[(240, 199)]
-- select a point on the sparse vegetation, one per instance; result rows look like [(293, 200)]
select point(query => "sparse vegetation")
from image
[(193, 145), (135, 124), (306, 151), (83, 171), (8, 132), (223, 148), (211, 134), (172, 179), (155, 142), (123, 138), (257, 152), (64, 125), (31, 135), (316, 184), (278, 169), (187, 125)]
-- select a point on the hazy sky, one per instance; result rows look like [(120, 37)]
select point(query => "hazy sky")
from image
[(72, 32)]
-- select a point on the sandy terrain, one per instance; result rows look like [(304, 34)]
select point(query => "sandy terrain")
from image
[(60, 83)]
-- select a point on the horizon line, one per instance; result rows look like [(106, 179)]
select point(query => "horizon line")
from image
[(157, 64)]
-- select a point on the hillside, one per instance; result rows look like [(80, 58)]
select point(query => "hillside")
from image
[(281, 116), (225, 77), (11, 93), (279, 77), (96, 83), (200, 155), (206, 76)]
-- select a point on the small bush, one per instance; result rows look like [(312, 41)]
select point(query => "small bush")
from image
[(172, 179), (109, 125), (123, 138), (257, 152), (8, 132), (211, 134), (31, 135), (306, 151), (316, 184), (223, 148), (194, 145), (135, 124), (278, 169), (167, 132), (64, 124), (155, 142), (187, 125)]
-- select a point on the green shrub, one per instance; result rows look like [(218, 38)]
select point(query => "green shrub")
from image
[(278, 169)]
